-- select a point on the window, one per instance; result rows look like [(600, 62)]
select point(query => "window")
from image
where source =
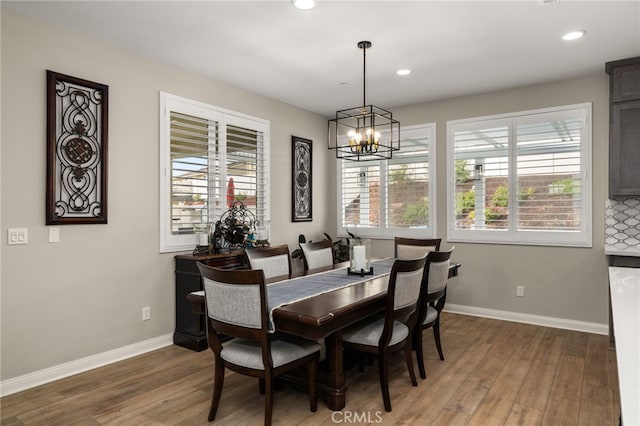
[(521, 178), (388, 198), (209, 158)]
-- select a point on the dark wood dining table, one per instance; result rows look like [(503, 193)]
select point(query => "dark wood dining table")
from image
[(325, 316)]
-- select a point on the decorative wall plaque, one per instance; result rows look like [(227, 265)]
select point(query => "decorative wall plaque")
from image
[(301, 181), (77, 130)]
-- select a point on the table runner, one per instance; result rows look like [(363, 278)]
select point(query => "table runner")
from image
[(296, 289)]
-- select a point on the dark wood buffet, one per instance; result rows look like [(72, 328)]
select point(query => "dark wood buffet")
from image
[(190, 329)]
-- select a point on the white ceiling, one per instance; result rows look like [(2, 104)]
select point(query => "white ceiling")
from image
[(310, 58)]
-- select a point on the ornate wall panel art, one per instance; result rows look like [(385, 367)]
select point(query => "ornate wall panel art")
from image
[(301, 150), (77, 130)]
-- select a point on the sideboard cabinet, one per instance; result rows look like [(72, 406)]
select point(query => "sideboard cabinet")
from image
[(624, 127), (190, 327)]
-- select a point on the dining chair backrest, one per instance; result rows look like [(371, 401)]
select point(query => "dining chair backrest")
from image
[(236, 301), (405, 282), (413, 248), (275, 261), (318, 254), (437, 273)]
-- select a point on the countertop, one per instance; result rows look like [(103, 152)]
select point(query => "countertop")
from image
[(624, 284), (616, 251)]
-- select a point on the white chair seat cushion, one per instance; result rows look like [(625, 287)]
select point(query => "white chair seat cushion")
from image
[(248, 353), (369, 333), (432, 314)]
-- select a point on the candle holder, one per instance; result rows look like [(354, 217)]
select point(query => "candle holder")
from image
[(201, 230), (359, 257), (262, 234)]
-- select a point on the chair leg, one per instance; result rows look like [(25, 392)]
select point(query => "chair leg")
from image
[(408, 356), (218, 381), (261, 386), (384, 380), (417, 345), (436, 336), (313, 385), (419, 352), (268, 399)]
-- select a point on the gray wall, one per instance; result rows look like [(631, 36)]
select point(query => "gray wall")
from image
[(567, 283), (83, 296)]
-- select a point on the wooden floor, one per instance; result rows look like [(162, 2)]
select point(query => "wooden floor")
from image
[(495, 373)]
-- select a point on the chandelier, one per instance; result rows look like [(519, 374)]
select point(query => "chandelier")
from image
[(366, 132)]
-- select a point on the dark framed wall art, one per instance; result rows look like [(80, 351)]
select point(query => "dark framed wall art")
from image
[(301, 150), (77, 133)]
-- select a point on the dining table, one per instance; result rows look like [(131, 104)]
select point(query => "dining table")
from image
[(325, 313)]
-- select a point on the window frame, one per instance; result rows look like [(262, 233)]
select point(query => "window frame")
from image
[(168, 102), (383, 232), (512, 235)]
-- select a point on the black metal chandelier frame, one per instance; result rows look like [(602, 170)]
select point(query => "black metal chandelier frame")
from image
[(366, 132)]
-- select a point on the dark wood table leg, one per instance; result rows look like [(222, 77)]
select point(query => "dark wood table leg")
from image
[(337, 389)]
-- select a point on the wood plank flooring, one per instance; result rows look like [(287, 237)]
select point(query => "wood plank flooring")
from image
[(495, 373)]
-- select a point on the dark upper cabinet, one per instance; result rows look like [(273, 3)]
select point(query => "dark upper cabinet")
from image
[(624, 128)]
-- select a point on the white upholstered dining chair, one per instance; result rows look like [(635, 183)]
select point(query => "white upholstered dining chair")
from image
[(392, 332), (236, 307), (432, 299)]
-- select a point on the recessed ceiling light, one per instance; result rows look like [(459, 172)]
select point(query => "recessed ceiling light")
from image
[(304, 4), (574, 35), (403, 72)]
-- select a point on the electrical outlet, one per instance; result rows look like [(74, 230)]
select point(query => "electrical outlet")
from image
[(146, 313), (520, 291)]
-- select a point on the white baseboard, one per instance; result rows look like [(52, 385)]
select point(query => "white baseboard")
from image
[(17, 384), (567, 324)]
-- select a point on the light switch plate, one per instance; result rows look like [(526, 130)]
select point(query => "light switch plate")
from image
[(17, 236)]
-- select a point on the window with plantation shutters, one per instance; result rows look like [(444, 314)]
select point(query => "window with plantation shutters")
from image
[(189, 148), (388, 198), (521, 178), (210, 158)]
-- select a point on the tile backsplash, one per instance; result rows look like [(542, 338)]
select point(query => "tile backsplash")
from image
[(622, 225)]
